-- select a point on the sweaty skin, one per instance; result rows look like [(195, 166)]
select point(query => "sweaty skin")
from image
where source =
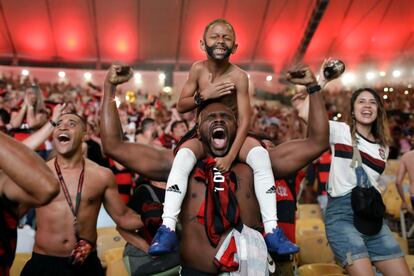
[(21, 171), (195, 250), (55, 235), (155, 163), (200, 254)]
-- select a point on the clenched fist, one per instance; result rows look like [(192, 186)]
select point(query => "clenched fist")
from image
[(118, 74), (301, 74)]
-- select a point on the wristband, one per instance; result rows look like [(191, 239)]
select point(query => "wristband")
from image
[(53, 123), (313, 88), (197, 99)]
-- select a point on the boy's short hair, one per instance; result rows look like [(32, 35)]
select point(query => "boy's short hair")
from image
[(176, 123), (217, 21)]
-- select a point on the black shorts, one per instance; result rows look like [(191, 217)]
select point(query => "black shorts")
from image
[(43, 265)]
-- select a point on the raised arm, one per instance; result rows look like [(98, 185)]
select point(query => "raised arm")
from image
[(35, 120), (291, 156), (25, 179), (40, 136), (186, 101), (151, 162), (243, 123), (17, 117)]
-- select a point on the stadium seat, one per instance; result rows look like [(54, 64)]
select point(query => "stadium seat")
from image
[(410, 262), (108, 242), (314, 248), (306, 211), (320, 269), (19, 261), (392, 167), (402, 242), (116, 268), (113, 254), (107, 231), (309, 225), (393, 206)]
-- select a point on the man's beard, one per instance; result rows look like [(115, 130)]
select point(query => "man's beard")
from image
[(210, 51)]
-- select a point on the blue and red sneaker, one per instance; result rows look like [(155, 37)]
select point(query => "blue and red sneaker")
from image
[(278, 243), (165, 241)]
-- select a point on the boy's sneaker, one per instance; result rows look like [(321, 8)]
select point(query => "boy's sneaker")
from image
[(165, 241), (278, 243)]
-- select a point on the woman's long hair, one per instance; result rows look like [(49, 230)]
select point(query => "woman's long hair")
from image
[(39, 104), (380, 129)]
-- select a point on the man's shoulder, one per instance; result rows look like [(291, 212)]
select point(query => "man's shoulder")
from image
[(198, 66), (97, 169), (238, 71)]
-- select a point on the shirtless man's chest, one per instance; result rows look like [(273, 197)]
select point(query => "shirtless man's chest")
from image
[(56, 221)]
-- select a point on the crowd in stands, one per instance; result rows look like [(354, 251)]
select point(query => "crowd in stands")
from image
[(148, 119), (26, 104)]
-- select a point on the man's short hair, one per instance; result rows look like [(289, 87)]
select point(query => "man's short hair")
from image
[(83, 121), (217, 21), (176, 123), (146, 123)]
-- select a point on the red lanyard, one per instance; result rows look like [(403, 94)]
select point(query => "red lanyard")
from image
[(65, 189)]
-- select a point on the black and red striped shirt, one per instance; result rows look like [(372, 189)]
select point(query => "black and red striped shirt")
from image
[(123, 179), (8, 235)]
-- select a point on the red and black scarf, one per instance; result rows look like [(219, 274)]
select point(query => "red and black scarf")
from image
[(221, 209)]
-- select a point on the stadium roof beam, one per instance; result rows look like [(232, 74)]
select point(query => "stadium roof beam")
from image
[(312, 25)]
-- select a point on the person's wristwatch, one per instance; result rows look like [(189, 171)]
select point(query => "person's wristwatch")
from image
[(313, 88), (197, 99)]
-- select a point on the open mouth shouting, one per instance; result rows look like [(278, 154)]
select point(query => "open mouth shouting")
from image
[(63, 138), (218, 134)]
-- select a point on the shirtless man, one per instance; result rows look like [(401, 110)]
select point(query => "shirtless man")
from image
[(155, 163), (216, 79), (66, 227), (25, 182), (21, 191), (406, 166)]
